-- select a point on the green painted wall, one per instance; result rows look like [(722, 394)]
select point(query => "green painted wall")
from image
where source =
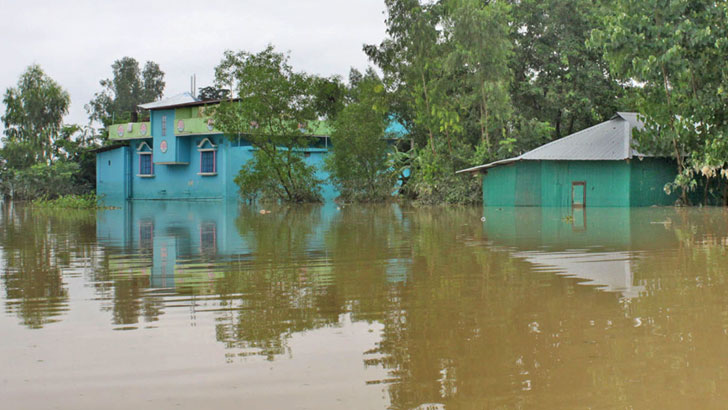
[(649, 177), (528, 183), (499, 186), (608, 183)]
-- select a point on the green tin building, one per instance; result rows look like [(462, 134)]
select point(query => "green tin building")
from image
[(595, 167)]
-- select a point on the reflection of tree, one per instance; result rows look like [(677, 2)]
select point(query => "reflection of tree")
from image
[(38, 245), (276, 295), (265, 307), (123, 280), (363, 243), (283, 235)]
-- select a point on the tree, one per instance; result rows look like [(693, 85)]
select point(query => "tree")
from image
[(275, 107), (118, 100), (411, 59), (329, 96), (358, 166), (33, 116), (210, 93), (558, 78), (670, 50), (447, 65)]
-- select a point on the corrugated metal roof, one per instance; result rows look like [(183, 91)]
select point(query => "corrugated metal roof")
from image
[(608, 141), (632, 118), (179, 99)]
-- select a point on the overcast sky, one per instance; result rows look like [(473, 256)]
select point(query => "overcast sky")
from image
[(75, 42)]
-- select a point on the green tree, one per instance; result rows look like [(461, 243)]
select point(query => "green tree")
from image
[(329, 96), (118, 100), (558, 79), (447, 66), (672, 51), (33, 117), (212, 93), (359, 165), (274, 109)]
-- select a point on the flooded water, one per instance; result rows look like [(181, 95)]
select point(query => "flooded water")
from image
[(215, 305)]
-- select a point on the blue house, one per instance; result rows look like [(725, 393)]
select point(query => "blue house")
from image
[(179, 154)]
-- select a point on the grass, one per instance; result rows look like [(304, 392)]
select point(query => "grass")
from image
[(88, 201)]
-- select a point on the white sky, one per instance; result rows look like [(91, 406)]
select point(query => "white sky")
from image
[(75, 42)]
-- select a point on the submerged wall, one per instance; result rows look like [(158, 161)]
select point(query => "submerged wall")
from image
[(648, 179), (606, 183), (113, 177)]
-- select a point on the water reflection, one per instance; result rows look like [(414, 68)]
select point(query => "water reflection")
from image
[(598, 246), (35, 247), (548, 308)]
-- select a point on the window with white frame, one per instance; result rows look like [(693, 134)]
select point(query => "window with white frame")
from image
[(146, 166), (208, 157)]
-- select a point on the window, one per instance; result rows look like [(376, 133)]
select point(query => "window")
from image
[(145, 164), (164, 125), (208, 157), (207, 162)]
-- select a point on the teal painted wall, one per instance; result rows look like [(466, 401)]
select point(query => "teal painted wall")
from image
[(528, 184), (182, 181), (156, 117), (113, 174), (499, 186), (607, 183), (649, 177)]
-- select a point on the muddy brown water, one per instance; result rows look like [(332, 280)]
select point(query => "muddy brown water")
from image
[(214, 305)]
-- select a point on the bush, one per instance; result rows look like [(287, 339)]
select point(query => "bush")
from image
[(87, 201), (42, 181), (261, 178), (432, 178)]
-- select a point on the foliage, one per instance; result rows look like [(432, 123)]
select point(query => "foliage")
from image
[(40, 156), (212, 93), (557, 78), (262, 178), (76, 145), (276, 105), (329, 96), (41, 181), (70, 201), (33, 117), (432, 179), (447, 66), (670, 50), (118, 100), (358, 165)]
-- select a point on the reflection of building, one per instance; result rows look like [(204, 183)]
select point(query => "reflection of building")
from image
[(595, 167), (192, 230), (608, 271), (591, 244), (190, 242)]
